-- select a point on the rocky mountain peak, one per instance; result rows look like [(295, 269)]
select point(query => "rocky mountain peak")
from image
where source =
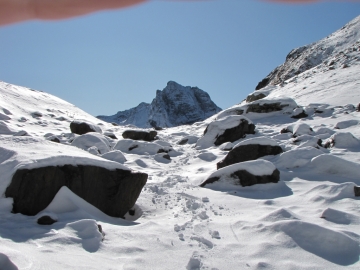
[(173, 106)]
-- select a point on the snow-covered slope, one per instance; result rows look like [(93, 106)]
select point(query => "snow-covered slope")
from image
[(175, 105), (308, 220), (326, 51)]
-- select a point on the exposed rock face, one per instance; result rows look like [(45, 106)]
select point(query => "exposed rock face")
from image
[(139, 135), (248, 152), (82, 127), (113, 192), (175, 105), (307, 57)]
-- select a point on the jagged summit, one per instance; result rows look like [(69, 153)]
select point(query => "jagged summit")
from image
[(175, 105), (306, 57)]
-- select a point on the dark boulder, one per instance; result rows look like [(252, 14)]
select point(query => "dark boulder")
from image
[(235, 133), (357, 191), (245, 178), (112, 191), (83, 127), (248, 152), (140, 135), (46, 220), (358, 108)]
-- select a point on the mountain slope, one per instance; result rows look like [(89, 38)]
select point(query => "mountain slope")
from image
[(173, 106), (306, 57)]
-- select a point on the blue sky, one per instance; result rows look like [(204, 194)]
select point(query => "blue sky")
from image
[(112, 61)]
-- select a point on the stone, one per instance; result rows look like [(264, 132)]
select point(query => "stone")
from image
[(245, 178), (139, 135), (82, 127), (113, 192), (300, 115), (357, 191), (46, 220), (182, 141), (358, 108), (248, 152)]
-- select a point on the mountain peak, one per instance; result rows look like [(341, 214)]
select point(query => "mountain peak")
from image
[(175, 105)]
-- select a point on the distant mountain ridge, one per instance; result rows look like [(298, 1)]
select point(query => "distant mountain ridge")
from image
[(306, 57), (175, 105)]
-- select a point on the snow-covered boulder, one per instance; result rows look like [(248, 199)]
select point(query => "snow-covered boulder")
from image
[(139, 135), (250, 149), (227, 129), (298, 113), (298, 129), (346, 124), (92, 139), (262, 107), (297, 157), (342, 140), (246, 174), (81, 127), (34, 173), (115, 155), (140, 147), (307, 140)]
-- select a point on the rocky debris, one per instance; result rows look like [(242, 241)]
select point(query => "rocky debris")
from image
[(92, 139), (112, 191), (228, 129), (250, 149), (140, 135), (255, 96), (342, 140), (357, 191), (175, 105), (81, 127), (46, 220), (246, 174)]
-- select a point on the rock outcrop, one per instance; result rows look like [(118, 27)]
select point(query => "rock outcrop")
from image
[(175, 105), (112, 191)]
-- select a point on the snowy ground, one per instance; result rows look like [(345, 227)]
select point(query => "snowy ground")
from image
[(310, 219)]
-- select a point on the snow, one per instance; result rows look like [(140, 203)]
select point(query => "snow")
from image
[(255, 167), (258, 140), (308, 220), (92, 139)]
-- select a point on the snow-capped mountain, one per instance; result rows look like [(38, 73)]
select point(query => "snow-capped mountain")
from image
[(175, 105), (337, 47), (270, 183)]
